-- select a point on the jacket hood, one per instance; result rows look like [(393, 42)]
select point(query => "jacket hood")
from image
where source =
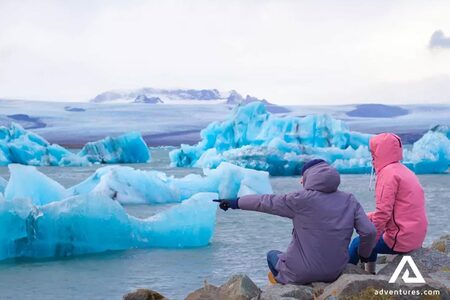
[(386, 148), (321, 177)]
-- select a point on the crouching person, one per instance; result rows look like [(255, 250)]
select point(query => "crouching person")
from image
[(323, 219)]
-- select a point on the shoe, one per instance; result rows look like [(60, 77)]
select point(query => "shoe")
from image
[(371, 267), (272, 279)]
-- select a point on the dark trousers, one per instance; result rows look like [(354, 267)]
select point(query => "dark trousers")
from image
[(272, 259)]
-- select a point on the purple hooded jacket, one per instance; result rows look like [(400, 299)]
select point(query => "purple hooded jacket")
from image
[(323, 219)]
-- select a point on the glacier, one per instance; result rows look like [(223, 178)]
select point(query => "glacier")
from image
[(133, 186), (254, 138), (95, 223), (18, 145)]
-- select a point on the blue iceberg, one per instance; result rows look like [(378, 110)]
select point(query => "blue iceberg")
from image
[(3, 184), (94, 223), (430, 154), (127, 185), (27, 182), (254, 138), (41, 218), (18, 145), (128, 148)]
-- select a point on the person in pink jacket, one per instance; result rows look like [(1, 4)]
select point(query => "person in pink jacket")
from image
[(400, 217)]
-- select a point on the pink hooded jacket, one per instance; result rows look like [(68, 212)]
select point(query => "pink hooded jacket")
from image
[(400, 200)]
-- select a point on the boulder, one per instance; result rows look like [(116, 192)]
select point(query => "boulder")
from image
[(353, 269), (208, 292), (361, 287), (428, 261), (144, 294), (287, 292), (385, 259), (442, 244), (238, 287)]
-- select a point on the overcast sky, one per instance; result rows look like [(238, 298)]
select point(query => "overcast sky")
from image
[(291, 52)]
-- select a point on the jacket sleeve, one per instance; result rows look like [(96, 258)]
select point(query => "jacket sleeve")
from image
[(386, 193), (280, 205), (366, 230)]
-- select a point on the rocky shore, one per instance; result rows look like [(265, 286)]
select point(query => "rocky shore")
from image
[(354, 283)]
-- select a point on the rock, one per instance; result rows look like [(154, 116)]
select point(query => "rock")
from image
[(385, 259), (208, 292), (287, 292), (144, 294), (427, 260), (353, 287), (353, 269), (442, 244), (239, 287)]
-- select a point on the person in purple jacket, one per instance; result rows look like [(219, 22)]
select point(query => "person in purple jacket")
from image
[(323, 219)]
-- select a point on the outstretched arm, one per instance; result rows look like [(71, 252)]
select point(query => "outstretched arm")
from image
[(280, 205)]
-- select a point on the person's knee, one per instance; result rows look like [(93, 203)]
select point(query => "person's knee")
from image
[(271, 253)]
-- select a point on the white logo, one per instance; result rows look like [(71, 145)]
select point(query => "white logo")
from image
[(418, 277)]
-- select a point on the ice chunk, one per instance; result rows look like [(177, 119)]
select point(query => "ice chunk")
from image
[(128, 185), (27, 182), (127, 148), (189, 224), (94, 223), (18, 145), (253, 138), (3, 184), (430, 154)]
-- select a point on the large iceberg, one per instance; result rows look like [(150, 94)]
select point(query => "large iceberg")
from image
[(128, 185), (3, 184), (430, 154), (254, 138), (18, 145), (27, 182), (41, 218), (95, 223), (128, 148)]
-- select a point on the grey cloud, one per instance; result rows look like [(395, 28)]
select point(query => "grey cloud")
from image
[(439, 40)]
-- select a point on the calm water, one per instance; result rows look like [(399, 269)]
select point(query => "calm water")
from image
[(239, 245)]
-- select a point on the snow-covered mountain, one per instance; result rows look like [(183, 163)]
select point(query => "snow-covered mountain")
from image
[(175, 96)]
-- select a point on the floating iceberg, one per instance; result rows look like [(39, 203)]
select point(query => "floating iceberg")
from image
[(18, 145), (128, 185), (256, 139), (40, 218), (94, 223), (430, 154), (27, 182), (128, 148), (3, 184)]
